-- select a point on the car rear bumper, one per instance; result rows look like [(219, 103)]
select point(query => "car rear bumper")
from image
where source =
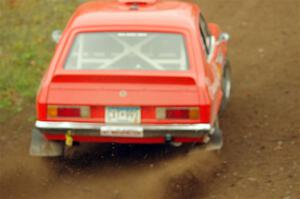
[(145, 133)]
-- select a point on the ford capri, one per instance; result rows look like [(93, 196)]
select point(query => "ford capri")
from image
[(134, 72)]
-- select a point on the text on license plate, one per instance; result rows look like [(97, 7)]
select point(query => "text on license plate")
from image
[(122, 132), (123, 115)]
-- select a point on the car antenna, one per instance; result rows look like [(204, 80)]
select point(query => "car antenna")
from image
[(134, 4)]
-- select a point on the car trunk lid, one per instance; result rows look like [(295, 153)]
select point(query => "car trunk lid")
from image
[(123, 90)]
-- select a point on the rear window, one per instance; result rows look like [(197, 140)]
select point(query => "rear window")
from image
[(127, 51)]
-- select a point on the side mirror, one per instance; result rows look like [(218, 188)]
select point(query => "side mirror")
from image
[(56, 34), (223, 37)]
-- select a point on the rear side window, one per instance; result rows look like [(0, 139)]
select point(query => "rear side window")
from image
[(205, 34), (127, 51)]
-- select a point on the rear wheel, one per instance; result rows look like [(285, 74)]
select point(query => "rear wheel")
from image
[(226, 85), (216, 138)]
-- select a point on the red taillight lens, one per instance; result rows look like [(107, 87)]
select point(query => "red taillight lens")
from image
[(177, 114), (66, 111), (191, 113)]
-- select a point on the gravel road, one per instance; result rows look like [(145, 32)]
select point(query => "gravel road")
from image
[(260, 158)]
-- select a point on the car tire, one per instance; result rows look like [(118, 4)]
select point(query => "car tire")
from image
[(216, 138), (226, 86)]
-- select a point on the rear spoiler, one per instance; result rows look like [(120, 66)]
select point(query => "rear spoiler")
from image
[(124, 78)]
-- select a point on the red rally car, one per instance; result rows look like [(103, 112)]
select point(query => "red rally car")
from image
[(134, 72)]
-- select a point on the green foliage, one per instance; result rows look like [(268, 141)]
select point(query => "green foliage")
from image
[(26, 47)]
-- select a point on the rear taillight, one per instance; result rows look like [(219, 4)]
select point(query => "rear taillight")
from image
[(190, 113), (68, 111)]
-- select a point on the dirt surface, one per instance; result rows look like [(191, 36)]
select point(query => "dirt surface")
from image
[(260, 158)]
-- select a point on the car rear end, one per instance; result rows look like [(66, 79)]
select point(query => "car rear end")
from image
[(126, 115), (155, 109), (127, 86)]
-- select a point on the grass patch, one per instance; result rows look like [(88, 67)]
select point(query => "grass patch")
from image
[(26, 47)]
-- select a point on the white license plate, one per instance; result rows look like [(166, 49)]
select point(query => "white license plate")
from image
[(123, 115), (107, 131)]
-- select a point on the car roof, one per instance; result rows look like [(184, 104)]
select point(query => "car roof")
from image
[(143, 13)]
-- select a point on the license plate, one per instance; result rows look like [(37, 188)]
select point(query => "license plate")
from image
[(123, 115), (107, 131)]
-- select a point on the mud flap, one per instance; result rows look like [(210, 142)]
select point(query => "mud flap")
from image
[(42, 147), (216, 140)]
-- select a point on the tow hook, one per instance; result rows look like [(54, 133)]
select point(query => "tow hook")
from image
[(169, 138), (69, 139)]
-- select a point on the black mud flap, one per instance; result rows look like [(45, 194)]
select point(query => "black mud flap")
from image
[(42, 147), (216, 140)]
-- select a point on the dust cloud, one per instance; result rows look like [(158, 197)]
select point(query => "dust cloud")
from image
[(112, 171)]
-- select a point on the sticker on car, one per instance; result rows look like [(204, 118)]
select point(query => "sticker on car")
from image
[(115, 131)]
